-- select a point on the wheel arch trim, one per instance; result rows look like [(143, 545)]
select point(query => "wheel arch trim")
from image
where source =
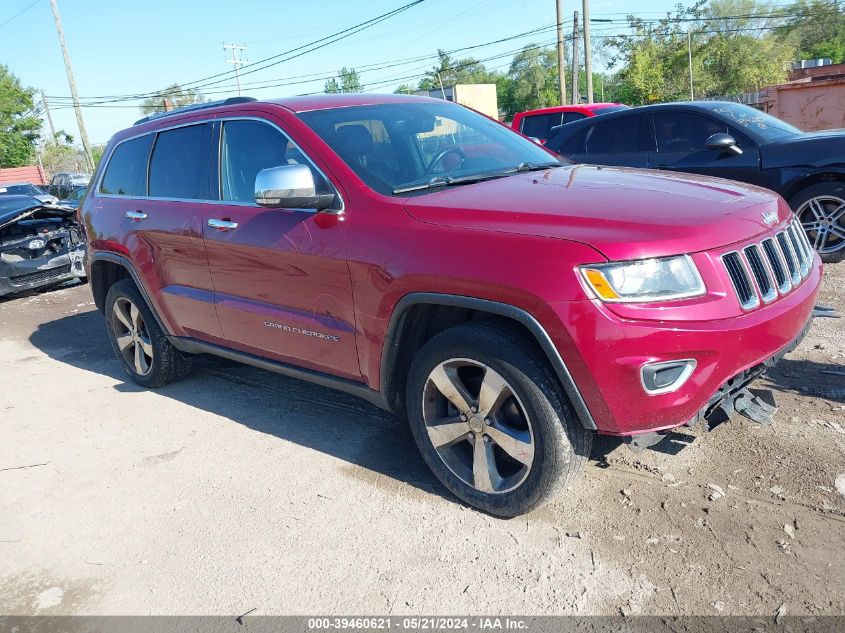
[(114, 258), (492, 307)]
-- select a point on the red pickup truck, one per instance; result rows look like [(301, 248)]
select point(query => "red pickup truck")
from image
[(436, 263), (538, 123)]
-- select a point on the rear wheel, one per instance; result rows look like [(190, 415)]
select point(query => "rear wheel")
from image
[(491, 421), (821, 210), (144, 351)]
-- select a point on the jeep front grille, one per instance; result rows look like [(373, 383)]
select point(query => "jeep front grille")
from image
[(772, 267)]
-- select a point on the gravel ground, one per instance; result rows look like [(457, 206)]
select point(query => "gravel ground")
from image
[(238, 489)]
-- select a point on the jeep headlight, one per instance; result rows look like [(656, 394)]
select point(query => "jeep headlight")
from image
[(658, 279)]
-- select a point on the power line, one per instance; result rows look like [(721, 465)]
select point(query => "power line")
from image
[(19, 13)]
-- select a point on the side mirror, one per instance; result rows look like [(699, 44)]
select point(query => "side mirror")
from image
[(290, 187), (724, 143)]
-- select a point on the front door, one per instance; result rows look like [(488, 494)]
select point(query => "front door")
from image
[(681, 146), (282, 285)]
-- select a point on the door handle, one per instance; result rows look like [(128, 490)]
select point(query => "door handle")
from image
[(137, 216), (222, 225)]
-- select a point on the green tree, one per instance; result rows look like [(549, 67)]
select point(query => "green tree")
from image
[(405, 89), (731, 55), (175, 94), (456, 71), (818, 29), (531, 81), (347, 81), (19, 127)]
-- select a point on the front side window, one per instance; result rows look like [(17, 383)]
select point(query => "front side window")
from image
[(126, 173), (396, 146), (179, 166), (246, 148), (621, 135), (684, 131)]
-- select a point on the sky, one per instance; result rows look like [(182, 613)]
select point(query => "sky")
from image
[(132, 47)]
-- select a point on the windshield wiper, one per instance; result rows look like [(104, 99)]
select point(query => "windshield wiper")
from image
[(449, 181), (537, 167)]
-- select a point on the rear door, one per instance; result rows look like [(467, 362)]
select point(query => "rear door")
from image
[(158, 183), (681, 146), (282, 284)]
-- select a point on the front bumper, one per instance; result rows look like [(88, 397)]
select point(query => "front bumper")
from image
[(44, 271), (611, 350)]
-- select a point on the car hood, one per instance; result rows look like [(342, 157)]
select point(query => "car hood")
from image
[(815, 149), (17, 208), (624, 213)]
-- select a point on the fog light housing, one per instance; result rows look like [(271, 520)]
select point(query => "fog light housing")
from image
[(666, 377)]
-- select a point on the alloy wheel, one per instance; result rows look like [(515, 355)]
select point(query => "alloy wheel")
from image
[(132, 336), (478, 426), (823, 218)]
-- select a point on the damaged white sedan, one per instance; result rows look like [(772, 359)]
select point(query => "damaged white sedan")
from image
[(40, 244)]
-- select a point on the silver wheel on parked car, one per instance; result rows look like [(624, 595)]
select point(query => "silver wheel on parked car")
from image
[(131, 336), (478, 426), (823, 218)]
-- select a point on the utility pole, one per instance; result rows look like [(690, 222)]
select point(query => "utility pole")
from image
[(83, 135), (689, 56), (236, 60), (588, 56), (442, 91), (561, 63), (576, 98), (49, 117)]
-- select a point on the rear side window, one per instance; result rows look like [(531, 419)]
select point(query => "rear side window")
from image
[(621, 135), (539, 125), (126, 173), (179, 166)]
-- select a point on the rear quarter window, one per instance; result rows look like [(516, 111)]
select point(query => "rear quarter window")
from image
[(126, 173)]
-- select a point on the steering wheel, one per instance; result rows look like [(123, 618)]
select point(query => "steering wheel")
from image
[(443, 154)]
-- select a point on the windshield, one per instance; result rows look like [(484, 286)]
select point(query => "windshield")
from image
[(397, 146), (760, 123), (20, 190)]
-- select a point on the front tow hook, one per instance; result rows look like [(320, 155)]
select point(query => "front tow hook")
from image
[(826, 312)]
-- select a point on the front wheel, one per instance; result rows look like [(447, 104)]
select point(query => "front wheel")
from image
[(491, 421), (821, 210)]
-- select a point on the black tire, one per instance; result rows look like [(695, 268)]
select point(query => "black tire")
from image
[(167, 364), (560, 443), (833, 248)]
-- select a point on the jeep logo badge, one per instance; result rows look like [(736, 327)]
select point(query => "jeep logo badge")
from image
[(769, 217)]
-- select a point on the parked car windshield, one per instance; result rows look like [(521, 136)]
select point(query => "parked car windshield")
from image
[(760, 123), (398, 146), (20, 190)]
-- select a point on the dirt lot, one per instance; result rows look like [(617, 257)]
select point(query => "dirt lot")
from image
[(239, 489)]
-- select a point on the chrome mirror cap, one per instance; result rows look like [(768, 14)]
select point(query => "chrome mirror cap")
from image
[(290, 187)]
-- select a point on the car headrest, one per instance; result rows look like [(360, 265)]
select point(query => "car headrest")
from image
[(355, 140)]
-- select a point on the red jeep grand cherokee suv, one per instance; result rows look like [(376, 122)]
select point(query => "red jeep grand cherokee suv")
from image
[(538, 123), (431, 260)]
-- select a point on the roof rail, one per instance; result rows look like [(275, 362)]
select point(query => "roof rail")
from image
[(196, 106)]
